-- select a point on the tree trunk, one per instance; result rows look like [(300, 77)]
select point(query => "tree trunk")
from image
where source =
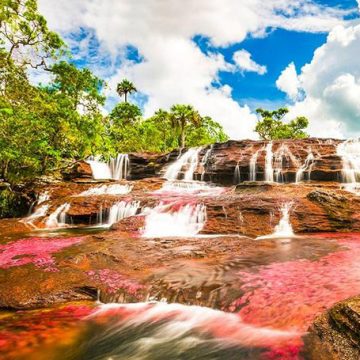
[(125, 96)]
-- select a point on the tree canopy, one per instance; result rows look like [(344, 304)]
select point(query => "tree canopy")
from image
[(272, 127), (44, 127)]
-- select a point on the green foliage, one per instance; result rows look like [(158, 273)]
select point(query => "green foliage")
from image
[(30, 41), (125, 87), (125, 113), (162, 131), (44, 128), (271, 126)]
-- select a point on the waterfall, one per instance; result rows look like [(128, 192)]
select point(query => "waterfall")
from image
[(278, 163), (204, 161), (116, 169), (119, 166), (115, 189), (188, 161), (252, 166), (237, 175), (189, 187), (40, 212), (58, 217), (269, 171), (117, 212), (307, 166), (100, 170), (283, 229), (349, 151), (163, 221)]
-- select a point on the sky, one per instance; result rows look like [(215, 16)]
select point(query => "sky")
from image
[(225, 57)]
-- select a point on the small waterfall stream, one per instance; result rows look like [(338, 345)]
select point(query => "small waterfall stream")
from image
[(116, 169), (187, 162), (117, 212), (283, 229), (269, 171), (115, 189), (58, 218), (163, 220), (349, 151), (307, 166)]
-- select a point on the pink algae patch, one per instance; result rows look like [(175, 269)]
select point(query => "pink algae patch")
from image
[(290, 295), (115, 281), (25, 331), (37, 251)]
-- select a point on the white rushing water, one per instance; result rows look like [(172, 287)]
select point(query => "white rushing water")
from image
[(163, 220), (186, 163), (114, 189), (283, 229), (185, 327), (269, 171), (349, 151), (252, 165), (116, 169), (189, 187), (58, 217), (40, 212), (306, 167), (204, 162), (117, 212), (237, 175)]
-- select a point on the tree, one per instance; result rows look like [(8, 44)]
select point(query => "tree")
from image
[(125, 87), (272, 127), (26, 35), (180, 117), (125, 113)]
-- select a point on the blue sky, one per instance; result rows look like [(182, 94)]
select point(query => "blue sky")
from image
[(225, 58)]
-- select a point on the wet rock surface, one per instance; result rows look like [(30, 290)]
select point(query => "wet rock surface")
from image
[(335, 335)]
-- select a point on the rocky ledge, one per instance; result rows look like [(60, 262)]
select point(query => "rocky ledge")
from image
[(335, 335)]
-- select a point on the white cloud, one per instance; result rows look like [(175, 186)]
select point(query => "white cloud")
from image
[(174, 69), (331, 84), (288, 81), (242, 59)]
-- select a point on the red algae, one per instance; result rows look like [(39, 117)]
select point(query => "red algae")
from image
[(115, 281), (37, 251), (23, 332), (291, 294)]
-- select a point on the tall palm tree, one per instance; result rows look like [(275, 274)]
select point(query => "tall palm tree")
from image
[(125, 87), (182, 115)]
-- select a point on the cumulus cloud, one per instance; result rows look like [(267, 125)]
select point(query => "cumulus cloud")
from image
[(174, 69), (331, 84), (288, 81), (242, 59)]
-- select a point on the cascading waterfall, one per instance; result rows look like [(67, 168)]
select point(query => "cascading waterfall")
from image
[(278, 163), (349, 151), (119, 166), (188, 161), (283, 229), (117, 212), (116, 169), (115, 189), (307, 166), (269, 171), (252, 165), (237, 175), (163, 220), (40, 212), (58, 217), (189, 187), (204, 162)]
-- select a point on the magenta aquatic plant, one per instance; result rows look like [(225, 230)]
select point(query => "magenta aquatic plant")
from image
[(115, 281), (291, 294), (37, 251)]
